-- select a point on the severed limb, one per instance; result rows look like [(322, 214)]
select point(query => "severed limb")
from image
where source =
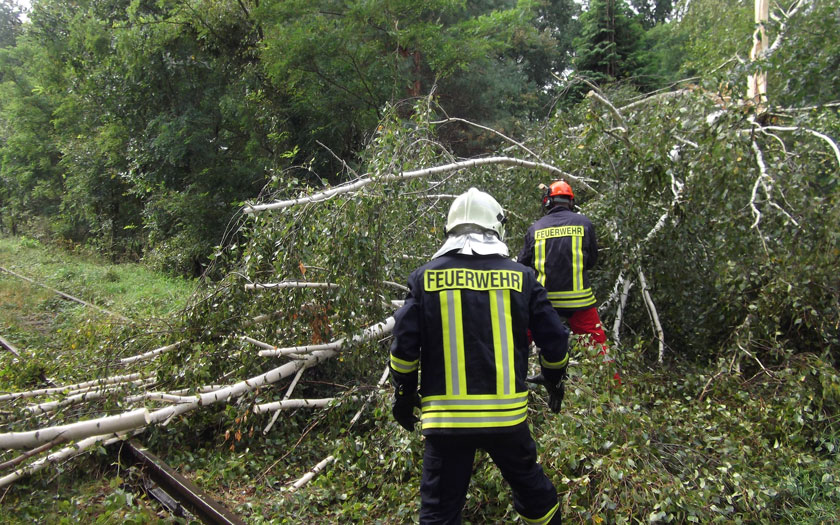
[(654, 316), (618, 116), (491, 130), (766, 182), (285, 397), (312, 473), (382, 379), (622, 302), (66, 453), (289, 284), (81, 429), (383, 328), (295, 403), (323, 464), (75, 388), (88, 395), (150, 354)]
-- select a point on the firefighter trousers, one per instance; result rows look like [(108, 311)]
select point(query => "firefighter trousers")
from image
[(447, 468)]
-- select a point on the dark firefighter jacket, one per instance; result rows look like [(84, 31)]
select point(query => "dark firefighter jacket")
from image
[(464, 324), (561, 247)]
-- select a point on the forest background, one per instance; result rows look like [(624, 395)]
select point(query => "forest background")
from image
[(146, 132)]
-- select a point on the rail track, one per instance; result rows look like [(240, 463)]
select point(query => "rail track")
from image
[(177, 494)]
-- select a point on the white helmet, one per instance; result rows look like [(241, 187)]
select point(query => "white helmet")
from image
[(478, 209)]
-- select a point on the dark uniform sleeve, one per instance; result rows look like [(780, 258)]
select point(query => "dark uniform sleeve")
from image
[(593, 248), (405, 350), (550, 335), (526, 256)]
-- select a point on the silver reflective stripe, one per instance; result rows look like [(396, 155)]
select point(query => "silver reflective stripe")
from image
[(454, 366), (539, 260), (503, 340), (499, 403), (577, 263), (430, 418)]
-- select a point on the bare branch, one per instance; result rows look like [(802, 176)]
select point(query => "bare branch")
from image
[(289, 284), (295, 403), (612, 108), (783, 26), (285, 397), (361, 183), (491, 130), (68, 296), (30, 453), (832, 144), (767, 183), (9, 346), (89, 395)]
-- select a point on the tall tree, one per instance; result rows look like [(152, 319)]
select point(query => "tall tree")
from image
[(338, 63), (10, 23), (609, 37), (30, 180), (652, 12)]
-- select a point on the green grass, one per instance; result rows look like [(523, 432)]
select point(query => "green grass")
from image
[(131, 290), (67, 341)]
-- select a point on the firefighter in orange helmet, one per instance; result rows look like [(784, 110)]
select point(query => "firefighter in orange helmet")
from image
[(561, 247)]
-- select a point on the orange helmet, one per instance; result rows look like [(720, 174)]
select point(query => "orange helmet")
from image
[(559, 191)]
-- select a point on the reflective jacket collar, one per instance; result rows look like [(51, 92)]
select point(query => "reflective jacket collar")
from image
[(557, 209), (473, 244)]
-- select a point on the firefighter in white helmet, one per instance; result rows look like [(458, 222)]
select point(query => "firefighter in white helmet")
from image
[(464, 324)]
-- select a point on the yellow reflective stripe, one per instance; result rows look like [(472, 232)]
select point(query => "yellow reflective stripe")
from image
[(401, 365), (556, 303), (539, 260), (572, 299), (502, 340), (545, 519), (554, 365), (577, 263), (453, 341), (570, 294)]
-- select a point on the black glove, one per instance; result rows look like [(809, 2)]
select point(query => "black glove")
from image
[(403, 409), (556, 391), (536, 380)]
